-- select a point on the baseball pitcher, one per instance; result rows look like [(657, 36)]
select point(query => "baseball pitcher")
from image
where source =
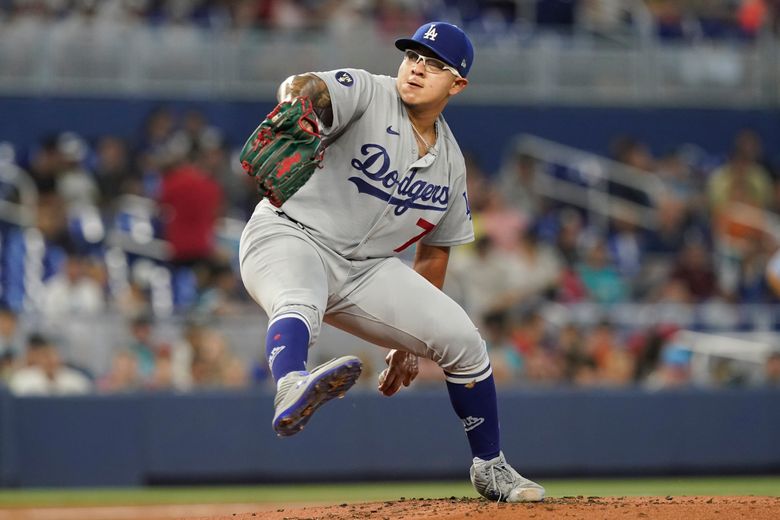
[(354, 168)]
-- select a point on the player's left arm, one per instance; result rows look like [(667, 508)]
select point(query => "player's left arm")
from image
[(431, 262), (312, 87)]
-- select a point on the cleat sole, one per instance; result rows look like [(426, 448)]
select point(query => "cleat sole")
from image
[(331, 384)]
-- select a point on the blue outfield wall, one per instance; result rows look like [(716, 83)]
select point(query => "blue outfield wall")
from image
[(226, 437), (485, 130)]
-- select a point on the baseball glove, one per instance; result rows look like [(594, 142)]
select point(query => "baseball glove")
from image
[(283, 152)]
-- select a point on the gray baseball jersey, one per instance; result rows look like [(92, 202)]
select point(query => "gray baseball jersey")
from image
[(373, 196)]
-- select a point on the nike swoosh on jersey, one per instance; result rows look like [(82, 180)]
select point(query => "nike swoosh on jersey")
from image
[(391, 131)]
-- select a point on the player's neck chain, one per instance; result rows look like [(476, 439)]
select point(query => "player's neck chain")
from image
[(421, 138)]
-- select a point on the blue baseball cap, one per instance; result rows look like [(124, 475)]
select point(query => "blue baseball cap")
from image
[(447, 41)]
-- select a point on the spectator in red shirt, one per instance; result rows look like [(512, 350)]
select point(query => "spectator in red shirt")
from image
[(191, 201)]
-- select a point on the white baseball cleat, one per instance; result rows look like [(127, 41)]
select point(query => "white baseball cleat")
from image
[(299, 394), (496, 480)]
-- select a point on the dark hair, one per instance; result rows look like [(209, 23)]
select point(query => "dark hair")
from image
[(37, 340)]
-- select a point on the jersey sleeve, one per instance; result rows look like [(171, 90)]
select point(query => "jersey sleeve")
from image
[(455, 227), (351, 92)]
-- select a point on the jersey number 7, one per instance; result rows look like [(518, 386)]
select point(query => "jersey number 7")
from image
[(427, 228)]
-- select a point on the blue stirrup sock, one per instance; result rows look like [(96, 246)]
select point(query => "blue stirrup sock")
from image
[(287, 345), (477, 407)]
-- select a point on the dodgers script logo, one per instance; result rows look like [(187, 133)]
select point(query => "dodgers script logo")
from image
[(376, 166)]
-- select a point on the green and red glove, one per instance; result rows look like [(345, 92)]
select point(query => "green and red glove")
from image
[(283, 152)]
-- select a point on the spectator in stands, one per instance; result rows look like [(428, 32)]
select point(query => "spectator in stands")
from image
[(9, 350), (74, 291), (133, 299), (213, 365), (9, 330), (772, 370), (235, 374), (695, 273), (614, 365), (7, 366), (752, 16), (542, 363), (502, 223), (609, 18), (672, 229), (535, 269), (163, 376), (481, 278), (673, 371), (123, 375), (45, 163), (744, 171), (579, 367), (143, 346), (183, 352), (675, 227), (600, 342), (45, 374), (600, 278), (114, 171), (191, 202), (75, 184), (239, 189), (625, 243), (679, 178), (396, 17), (153, 147), (752, 285), (569, 234), (634, 154), (478, 186), (516, 184), (506, 361), (218, 296), (647, 346)]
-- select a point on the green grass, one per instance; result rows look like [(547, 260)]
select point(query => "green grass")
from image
[(769, 486)]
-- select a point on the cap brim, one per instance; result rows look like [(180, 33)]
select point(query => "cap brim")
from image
[(404, 43)]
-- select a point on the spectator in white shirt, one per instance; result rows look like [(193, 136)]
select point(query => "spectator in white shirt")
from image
[(45, 374), (73, 291)]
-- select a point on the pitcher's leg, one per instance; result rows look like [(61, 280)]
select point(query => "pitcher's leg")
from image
[(286, 276), (285, 273), (395, 307)]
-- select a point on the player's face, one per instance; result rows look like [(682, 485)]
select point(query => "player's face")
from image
[(425, 83)]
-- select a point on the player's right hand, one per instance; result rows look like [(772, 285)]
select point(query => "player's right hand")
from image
[(401, 370)]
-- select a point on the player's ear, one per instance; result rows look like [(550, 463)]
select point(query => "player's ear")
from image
[(458, 85)]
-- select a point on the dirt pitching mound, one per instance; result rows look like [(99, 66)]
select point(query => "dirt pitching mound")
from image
[(646, 508), (690, 508)]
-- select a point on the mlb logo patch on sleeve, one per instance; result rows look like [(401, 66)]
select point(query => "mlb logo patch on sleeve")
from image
[(345, 78)]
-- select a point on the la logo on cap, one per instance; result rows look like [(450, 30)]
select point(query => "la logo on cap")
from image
[(431, 33)]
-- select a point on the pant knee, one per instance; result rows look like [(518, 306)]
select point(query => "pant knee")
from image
[(310, 315), (463, 356)]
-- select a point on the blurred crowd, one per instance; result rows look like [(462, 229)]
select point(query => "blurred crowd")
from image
[(534, 257), (668, 19)]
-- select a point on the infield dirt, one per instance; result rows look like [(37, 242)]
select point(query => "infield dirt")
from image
[(611, 508), (688, 508)]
